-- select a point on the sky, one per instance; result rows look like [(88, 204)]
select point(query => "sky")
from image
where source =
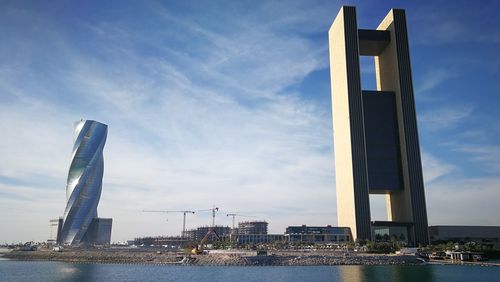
[(227, 104)]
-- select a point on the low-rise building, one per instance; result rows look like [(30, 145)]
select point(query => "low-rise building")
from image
[(463, 233), (99, 231), (171, 241), (259, 238), (318, 234)]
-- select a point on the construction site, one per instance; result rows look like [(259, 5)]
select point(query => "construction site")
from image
[(246, 242), (244, 234)]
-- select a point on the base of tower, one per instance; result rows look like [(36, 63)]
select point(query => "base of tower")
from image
[(389, 231), (98, 233)]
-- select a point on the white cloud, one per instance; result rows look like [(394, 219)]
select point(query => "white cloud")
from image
[(435, 77), (185, 131), (203, 118), (443, 31), (488, 156), (434, 168), (445, 117), (31, 143), (463, 202)]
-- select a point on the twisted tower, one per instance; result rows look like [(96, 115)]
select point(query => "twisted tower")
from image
[(84, 185)]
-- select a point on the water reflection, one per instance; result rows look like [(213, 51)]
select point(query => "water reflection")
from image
[(386, 273), (77, 272)]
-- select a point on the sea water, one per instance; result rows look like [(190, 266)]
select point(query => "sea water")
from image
[(11, 270)]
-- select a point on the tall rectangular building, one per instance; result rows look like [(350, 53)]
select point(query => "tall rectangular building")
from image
[(375, 132)]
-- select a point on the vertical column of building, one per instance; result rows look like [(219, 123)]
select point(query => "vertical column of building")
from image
[(353, 207), (393, 71)]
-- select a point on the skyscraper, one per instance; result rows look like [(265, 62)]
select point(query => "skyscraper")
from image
[(84, 185), (375, 132)]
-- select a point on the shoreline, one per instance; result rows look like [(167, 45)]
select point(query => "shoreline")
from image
[(219, 258), (467, 263)]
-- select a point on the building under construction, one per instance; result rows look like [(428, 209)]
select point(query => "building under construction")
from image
[(200, 232), (254, 232), (252, 228)]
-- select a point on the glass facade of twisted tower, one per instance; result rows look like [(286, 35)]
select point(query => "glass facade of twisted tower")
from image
[(84, 185)]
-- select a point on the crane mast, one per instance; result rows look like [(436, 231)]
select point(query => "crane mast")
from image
[(213, 210), (183, 234)]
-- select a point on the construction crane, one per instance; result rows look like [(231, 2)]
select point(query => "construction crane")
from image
[(213, 210), (183, 234)]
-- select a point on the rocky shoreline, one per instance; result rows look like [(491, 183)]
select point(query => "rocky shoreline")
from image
[(219, 258)]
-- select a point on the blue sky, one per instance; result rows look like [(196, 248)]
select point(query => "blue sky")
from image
[(227, 103)]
